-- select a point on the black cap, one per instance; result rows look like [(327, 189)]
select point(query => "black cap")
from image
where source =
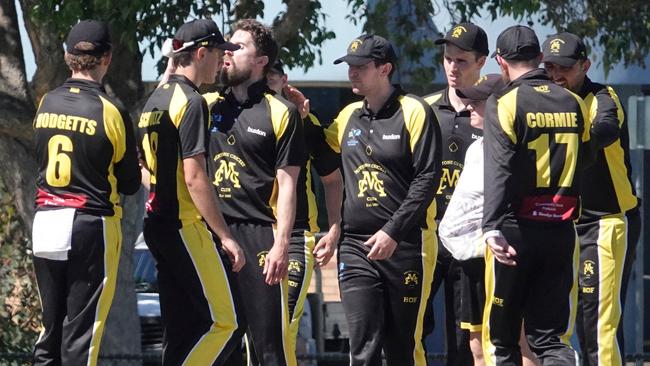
[(278, 67), (366, 48), (467, 37), (517, 43), (564, 49), (91, 31), (483, 88), (200, 33)]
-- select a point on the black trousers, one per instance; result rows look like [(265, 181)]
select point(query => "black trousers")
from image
[(384, 301), (199, 298), (607, 252), (541, 289), (448, 273), (266, 308), (76, 294)]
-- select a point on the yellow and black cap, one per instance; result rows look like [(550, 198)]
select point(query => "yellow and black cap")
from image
[(564, 49), (200, 33), (91, 31), (483, 88), (517, 43), (467, 37), (366, 48)]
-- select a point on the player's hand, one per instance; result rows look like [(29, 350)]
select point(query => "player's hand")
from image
[(324, 250), (276, 264), (503, 252), (235, 253), (168, 72), (382, 246), (296, 97)]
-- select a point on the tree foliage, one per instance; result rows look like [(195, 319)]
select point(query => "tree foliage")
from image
[(19, 304)]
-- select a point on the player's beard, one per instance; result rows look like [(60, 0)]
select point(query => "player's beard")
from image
[(233, 76)]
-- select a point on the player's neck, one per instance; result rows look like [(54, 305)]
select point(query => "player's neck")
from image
[(241, 91), (455, 100), (191, 73), (377, 100), (95, 75)]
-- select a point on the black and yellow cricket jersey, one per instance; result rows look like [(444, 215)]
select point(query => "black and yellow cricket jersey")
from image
[(85, 150), (325, 160), (456, 135), (173, 126), (391, 165), (533, 134), (607, 188), (249, 142)]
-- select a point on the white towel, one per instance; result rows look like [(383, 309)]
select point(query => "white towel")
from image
[(52, 233)]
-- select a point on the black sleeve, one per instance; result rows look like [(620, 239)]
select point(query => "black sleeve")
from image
[(290, 144), (606, 124), (193, 127), (426, 162), (324, 159), (127, 170), (499, 150)]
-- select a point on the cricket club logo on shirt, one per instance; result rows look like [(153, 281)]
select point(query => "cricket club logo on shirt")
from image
[(261, 258), (371, 186), (226, 177), (352, 137)]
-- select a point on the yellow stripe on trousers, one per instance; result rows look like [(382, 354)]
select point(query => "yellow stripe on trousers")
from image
[(310, 242), (112, 246), (216, 289), (573, 295), (489, 349), (429, 255), (612, 248)]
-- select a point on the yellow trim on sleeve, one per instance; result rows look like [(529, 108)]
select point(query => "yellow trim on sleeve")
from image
[(334, 133), (177, 105), (506, 112), (116, 133), (433, 98), (279, 116), (587, 115), (212, 98), (415, 116)]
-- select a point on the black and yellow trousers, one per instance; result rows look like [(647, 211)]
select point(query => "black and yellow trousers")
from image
[(301, 268), (607, 252), (76, 294), (385, 300), (199, 299), (541, 289)]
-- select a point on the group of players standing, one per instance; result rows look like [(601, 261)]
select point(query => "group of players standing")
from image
[(231, 212)]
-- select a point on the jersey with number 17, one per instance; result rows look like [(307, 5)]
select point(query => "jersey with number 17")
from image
[(534, 130), (85, 150)]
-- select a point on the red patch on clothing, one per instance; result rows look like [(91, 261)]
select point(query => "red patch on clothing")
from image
[(554, 208), (60, 200)]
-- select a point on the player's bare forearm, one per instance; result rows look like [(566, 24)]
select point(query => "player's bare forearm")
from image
[(286, 204), (202, 194), (333, 186)]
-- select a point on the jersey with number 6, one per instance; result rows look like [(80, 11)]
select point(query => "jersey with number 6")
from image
[(533, 134), (85, 150)]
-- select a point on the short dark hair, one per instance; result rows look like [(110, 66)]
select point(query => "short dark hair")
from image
[(183, 58), (83, 61), (262, 37), (392, 69)]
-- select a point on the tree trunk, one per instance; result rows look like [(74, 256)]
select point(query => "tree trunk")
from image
[(17, 168), (51, 69)]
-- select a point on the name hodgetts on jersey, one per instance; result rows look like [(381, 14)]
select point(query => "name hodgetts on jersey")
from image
[(66, 122)]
